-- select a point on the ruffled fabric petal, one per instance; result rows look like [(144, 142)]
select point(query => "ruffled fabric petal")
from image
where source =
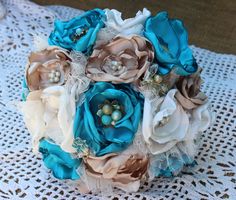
[(79, 33), (127, 26), (62, 164), (170, 40)]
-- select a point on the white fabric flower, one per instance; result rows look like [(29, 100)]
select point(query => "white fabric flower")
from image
[(128, 26), (49, 113), (164, 123)]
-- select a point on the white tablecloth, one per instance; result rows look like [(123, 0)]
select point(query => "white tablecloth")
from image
[(23, 175)]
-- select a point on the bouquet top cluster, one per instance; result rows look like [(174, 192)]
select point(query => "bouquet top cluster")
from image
[(115, 101)]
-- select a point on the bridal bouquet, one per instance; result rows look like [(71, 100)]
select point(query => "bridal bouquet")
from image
[(113, 102)]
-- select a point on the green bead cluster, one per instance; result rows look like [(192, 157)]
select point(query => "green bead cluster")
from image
[(110, 113)]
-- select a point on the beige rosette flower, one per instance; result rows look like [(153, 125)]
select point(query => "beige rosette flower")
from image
[(123, 60), (124, 170), (46, 68), (189, 94)]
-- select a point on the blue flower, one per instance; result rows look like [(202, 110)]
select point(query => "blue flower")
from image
[(79, 33), (170, 40), (101, 138), (60, 162)]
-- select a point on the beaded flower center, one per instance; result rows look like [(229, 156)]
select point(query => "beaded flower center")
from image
[(54, 76), (110, 112)]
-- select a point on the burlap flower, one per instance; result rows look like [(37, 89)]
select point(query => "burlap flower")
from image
[(189, 94), (46, 68), (123, 60), (125, 170)]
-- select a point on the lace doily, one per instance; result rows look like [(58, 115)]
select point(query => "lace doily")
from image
[(22, 174)]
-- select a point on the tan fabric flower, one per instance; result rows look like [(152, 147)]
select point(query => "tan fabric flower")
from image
[(189, 94), (123, 60), (47, 68), (125, 170)]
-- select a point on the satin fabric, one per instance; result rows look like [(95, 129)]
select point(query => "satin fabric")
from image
[(64, 31), (25, 90), (170, 40), (100, 139), (63, 166)]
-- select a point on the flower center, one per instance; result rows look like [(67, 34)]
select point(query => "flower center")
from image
[(54, 76), (115, 65), (110, 112), (80, 32)]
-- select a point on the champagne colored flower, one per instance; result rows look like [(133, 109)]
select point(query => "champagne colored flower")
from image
[(123, 60)]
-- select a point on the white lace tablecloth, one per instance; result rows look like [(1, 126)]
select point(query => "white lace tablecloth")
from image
[(23, 175)]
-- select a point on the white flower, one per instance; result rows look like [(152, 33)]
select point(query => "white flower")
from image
[(49, 113), (128, 26), (164, 123)]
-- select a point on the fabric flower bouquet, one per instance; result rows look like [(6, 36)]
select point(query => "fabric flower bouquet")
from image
[(113, 102)]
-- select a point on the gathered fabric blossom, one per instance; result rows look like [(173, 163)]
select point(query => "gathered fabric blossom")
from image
[(123, 60), (126, 169), (79, 33), (103, 138), (129, 26), (170, 41), (46, 68), (49, 113), (120, 104), (189, 94)]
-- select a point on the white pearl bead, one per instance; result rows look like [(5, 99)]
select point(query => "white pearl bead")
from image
[(53, 71), (114, 62), (58, 74), (56, 79), (51, 80), (51, 75), (119, 67)]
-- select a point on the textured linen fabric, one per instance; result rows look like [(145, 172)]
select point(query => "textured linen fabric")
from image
[(23, 175)]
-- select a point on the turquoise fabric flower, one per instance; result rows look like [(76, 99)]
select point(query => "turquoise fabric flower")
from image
[(108, 139), (25, 90), (79, 33), (170, 40), (60, 162)]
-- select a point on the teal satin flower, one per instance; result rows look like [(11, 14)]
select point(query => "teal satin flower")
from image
[(79, 33), (100, 138), (60, 162), (170, 40)]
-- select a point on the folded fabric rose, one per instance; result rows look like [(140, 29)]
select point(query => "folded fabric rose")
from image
[(189, 94), (46, 68), (125, 170), (63, 166), (49, 113), (123, 60), (80, 33), (128, 26), (164, 122), (109, 117), (170, 41)]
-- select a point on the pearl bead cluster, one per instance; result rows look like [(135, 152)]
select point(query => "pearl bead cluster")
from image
[(116, 66), (54, 76), (110, 113)]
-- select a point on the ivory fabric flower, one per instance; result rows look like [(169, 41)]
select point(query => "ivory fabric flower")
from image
[(123, 60), (189, 94), (79, 33), (164, 122), (48, 67), (128, 26), (49, 113), (170, 40), (125, 170)]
